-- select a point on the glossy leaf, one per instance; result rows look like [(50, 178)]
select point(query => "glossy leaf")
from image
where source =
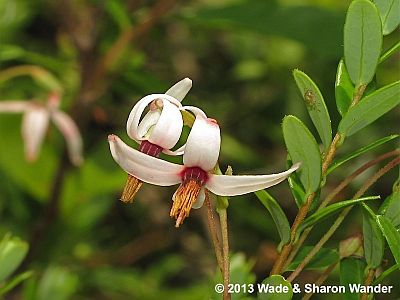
[(362, 41), (370, 108), (390, 208), (344, 88), (389, 11), (323, 259), (325, 212), (302, 147), (275, 281), (361, 151), (392, 236), (278, 215), (315, 105), (373, 240), (351, 272)]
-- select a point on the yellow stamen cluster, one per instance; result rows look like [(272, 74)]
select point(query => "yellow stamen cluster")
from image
[(184, 198), (132, 186)]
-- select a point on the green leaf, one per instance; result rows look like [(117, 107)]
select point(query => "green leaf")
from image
[(362, 41), (351, 272), (57, 281), (392, 236), (373, 240), (315, 105), (272, 294), (278, 215), (325, 212), (390, 208), (324, 258), (370, 108), (12, 251), (351, 246), (8, 286), (390, 14), (360, 151), (302, 147), (344, 89)]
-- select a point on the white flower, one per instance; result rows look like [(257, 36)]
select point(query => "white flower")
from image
[(195, 175), (159, 130), (36, 121)]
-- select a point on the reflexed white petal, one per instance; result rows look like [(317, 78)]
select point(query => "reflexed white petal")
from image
[(180, 89), (71, 134), (176, 152), (195, 110), (225, 185), (148, 121), (137, 111), (144, 167), (14, 106), (167, 131), (203, 144), (200, 199), (34, 126)]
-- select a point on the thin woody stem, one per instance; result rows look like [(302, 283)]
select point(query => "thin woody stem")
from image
[(332, 195), (321, 279), (341, 217), (330, 154), (213, 232), (225, 251)]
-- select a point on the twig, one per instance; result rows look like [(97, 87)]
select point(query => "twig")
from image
[(225, 251), (332, 195), (213, 232), (368, 281), (341, 217), (321, 279)]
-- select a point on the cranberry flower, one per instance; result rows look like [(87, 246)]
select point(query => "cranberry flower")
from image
[(159, 130), (35, 121), (195, 175)]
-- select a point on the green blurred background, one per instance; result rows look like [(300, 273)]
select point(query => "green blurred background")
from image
[(85, 244)]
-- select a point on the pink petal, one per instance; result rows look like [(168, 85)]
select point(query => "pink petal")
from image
[(137, 111), (71, 134), (14, 106), (203, 144), (144, 167), (180, 89), (225, 185), (34, 125), (168, 129)]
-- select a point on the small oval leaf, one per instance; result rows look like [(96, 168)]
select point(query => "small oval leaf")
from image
[(373, 240), (275, 287), (323, 259), (389, 11), (362, 41), (370, 108), (325, 212), (279, 217), (302, 147), (392, 236), (360, 151), (12, 252), (315, 105), (344, 89)]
